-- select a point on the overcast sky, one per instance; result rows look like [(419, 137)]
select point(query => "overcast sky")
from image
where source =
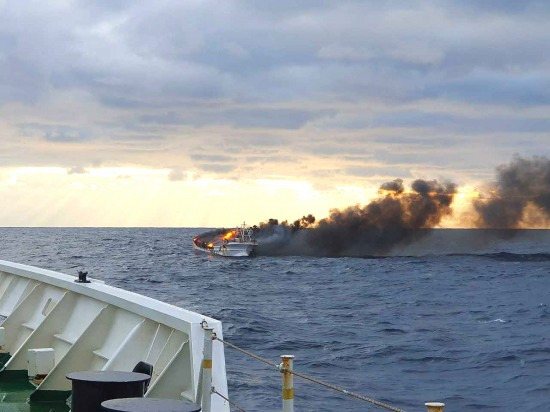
[(265, 107)]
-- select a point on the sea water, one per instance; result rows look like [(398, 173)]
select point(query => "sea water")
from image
[(456, 317)]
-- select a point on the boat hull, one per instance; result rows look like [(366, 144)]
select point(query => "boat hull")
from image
[(94, 326), (231, 249)]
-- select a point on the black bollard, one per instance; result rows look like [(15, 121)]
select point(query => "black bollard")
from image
[(82, 277)]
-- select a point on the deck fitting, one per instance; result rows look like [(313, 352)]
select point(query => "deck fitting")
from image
[(82, 277)]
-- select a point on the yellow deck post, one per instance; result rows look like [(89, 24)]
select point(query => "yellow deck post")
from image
[(435, 406), (288, 383)]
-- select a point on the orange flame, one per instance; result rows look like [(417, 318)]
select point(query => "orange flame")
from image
[(229, 235)]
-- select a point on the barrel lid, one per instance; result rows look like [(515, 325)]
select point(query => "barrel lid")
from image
[(108, 376)]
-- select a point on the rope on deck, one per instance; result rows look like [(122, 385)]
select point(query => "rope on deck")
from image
[(311, 379), (226, 399)]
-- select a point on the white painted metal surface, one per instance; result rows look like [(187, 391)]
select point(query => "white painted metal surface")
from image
[(207, 371), (93, 326), (40, 361)]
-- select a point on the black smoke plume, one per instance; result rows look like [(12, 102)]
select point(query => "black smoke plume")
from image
[(370, 230), (522, 185)]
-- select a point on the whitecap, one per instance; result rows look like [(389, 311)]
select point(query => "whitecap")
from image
[(498, 320)]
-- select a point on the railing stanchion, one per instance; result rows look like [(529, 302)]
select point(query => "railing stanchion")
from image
[(207, 370), (288, 383), (435, 406), (286, 368)]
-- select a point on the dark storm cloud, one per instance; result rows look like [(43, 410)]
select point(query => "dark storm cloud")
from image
[(269, 159), (264, 140), (137, 72), (56, 133), (511, 89), (458, 123), (378, 171), (211, 158), (418, 141), (501, 6), (216, 167), (134, 137), (214, 163), (70, 134), (337, 148), (241, 118), (275, 119), (140, 54)]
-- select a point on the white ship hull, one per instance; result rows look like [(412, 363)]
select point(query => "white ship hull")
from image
[(93, 326), (231, 249)]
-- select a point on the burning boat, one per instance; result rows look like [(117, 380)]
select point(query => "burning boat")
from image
[(238, 242)]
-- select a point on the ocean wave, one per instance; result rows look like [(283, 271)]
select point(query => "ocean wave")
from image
[(518, 257), (498, 320)]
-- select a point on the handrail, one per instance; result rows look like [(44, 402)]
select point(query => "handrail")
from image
[(309, 378)]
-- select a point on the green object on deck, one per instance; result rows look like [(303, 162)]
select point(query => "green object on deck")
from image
[(14, 397), (20, 376), (4, 358), (50, 396)]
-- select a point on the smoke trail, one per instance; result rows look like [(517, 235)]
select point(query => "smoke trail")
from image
[(522, 184), (520, 197), (362, 231)]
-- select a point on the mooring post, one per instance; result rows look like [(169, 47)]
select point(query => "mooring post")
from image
[(435, 406), (288, 383), (207, 370)]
